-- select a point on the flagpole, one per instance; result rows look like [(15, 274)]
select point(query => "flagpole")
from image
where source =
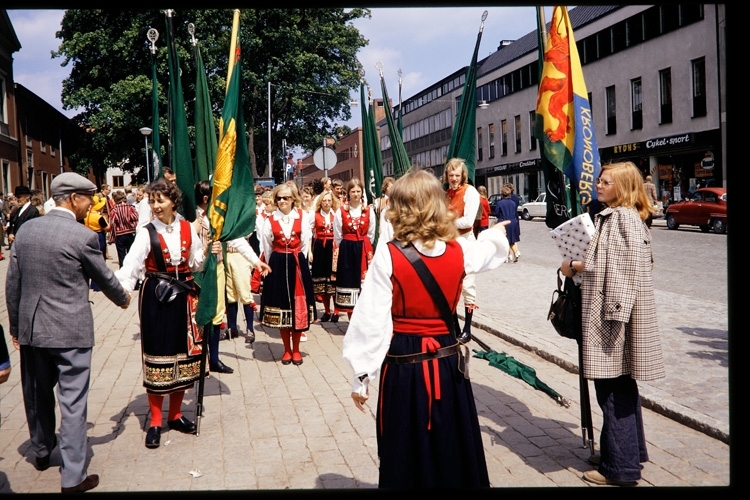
[(233, 45)]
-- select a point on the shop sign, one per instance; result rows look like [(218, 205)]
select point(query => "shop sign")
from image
[(669, 141)]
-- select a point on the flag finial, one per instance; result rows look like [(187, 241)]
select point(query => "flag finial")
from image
[(379, 67), (484, 17), (191, 30), (152, 36)]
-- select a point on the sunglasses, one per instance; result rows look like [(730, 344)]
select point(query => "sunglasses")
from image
[(283, 198), (601, 181)]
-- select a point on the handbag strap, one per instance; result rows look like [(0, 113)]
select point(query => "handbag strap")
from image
[(156, 248), (428, 280)]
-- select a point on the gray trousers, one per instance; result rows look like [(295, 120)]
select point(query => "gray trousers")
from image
[(69, 369)]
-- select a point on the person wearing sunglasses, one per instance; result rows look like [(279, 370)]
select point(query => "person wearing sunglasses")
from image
[(620, 337), (287, 301)]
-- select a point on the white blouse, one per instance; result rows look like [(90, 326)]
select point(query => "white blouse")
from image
[(371, 326), (135, 261)]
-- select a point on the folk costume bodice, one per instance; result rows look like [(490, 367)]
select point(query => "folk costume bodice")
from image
[(413, 309), (283, 243)]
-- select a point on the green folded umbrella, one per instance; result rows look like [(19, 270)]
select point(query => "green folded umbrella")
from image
[(511, 366)]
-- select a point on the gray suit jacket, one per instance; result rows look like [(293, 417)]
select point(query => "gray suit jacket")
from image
[(46, 288)]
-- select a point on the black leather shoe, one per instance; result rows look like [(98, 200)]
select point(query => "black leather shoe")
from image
[(234, 333), (153, 437), (250, 337), (91, 482), (335, 318), (220, 367), (325, 317), (465, 337), (182, 425), (42, 463)]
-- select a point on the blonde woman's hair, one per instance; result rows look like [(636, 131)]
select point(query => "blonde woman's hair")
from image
[(629, 189), (482, 191), (418, 210), (453, 164), (268, 200), (292, 190), (335, 201)]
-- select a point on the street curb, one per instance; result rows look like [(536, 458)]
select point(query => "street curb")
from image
[(660, 407)]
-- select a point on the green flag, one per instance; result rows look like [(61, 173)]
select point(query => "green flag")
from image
[(179, 155), (205, 128), (400, 159), (370, 151), (231, 211), (464, 135)]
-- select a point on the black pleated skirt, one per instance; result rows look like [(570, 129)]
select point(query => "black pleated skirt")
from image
[(448, 454), (167, 366), (279, 289), (323, 277)]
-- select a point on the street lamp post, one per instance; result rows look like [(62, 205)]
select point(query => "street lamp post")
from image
[(146, 132)]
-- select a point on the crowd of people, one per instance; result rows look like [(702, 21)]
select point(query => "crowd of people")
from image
[(322, 244)]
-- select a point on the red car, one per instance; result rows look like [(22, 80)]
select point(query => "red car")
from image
[(705, 208)]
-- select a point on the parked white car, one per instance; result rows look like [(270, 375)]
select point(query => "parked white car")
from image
[(536, 208)]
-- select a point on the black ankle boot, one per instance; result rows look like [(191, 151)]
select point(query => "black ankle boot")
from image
[(466, 332)]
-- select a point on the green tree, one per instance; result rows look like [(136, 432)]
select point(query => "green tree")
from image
[(308, 55)]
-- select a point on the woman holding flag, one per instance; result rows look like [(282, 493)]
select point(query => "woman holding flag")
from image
[(168, 250), (620, 342), (287, 302)]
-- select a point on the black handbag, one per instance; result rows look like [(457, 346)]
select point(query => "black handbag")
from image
[(565, 310), (167, 287)]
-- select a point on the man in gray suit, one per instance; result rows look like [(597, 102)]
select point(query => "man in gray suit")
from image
[(47, 293)]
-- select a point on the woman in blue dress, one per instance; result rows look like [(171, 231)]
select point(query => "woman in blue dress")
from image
[(506, 210)]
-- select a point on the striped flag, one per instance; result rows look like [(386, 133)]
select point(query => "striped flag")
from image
[(564, 124), (231, 210)]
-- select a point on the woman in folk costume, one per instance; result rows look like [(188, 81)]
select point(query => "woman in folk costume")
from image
[(427, 427), (287, 302), (620, 340), (167, 249), (324, 253), (354, 235)]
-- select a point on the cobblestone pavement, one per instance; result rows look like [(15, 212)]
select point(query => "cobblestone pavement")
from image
[(273, 427)]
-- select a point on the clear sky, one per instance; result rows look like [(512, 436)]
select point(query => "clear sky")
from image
[(426, 43)]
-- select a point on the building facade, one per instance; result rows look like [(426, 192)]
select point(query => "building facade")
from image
[(656, 81), (35, 138)]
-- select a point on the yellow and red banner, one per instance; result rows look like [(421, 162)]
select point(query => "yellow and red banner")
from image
[(563, 114)]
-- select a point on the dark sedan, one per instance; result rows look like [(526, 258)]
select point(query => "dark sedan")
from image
[(705, 208)]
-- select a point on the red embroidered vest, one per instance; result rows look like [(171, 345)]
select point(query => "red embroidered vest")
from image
[(323, 229), (186, 241), (280, 242), (355, 228)]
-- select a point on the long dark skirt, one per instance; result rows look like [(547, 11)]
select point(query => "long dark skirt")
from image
[(279, 287), (449, 454), (324, 279), (348, 274), (167, 366)]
